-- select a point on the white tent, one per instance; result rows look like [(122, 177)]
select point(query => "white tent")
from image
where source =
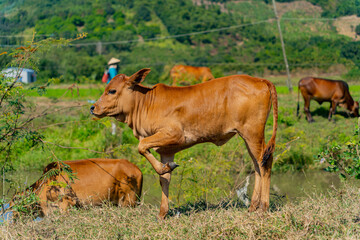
[(26, 75)]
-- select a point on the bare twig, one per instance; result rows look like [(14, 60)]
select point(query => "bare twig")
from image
[(286, 149), (61, 123), (45, 112), (58, 145)]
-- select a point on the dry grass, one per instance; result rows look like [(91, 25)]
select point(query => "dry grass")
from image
[(346, 26), (301, 6), (332, 216)]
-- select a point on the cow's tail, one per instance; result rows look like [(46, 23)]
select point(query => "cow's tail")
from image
[(270, 146), (298, 103)]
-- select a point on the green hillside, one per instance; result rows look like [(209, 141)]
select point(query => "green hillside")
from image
[(227, 36)]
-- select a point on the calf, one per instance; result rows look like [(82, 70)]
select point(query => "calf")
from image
[(324, 90), (96, 180), (183, 72), (170, 119)]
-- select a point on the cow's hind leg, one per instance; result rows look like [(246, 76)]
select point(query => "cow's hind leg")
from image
[(255, 147), (307, 109), (255, 142), (165, 183), (255, 198), (262, 176), (265, 183)]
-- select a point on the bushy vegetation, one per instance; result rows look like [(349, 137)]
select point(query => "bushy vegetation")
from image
[(16, 113), (343, 155)]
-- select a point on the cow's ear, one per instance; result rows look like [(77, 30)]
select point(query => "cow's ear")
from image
[(139, 76)]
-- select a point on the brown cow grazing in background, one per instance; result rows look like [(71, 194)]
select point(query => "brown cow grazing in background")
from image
[(190, 73), (324, 90), (170, 119), (96, 181)]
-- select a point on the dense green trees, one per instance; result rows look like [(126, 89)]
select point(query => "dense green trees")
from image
[(126, 30)]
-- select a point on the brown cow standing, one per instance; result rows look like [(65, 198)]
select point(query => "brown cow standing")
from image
[(183, 72), (324, 90), (170, 119), (96, 180)]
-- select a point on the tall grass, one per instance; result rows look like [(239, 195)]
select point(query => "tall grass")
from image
[(335, 215)]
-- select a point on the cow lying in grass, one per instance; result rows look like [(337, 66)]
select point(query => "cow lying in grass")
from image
[(170, 119), (86, 182)]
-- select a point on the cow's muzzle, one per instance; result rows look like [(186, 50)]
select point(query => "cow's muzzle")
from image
[(92, 109)]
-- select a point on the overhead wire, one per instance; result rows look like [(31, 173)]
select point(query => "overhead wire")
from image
[(173, 36), (176, 35)]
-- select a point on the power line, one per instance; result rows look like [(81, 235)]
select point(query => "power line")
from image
[(173, 36), (162, 38), (26, 35), (10, 46)]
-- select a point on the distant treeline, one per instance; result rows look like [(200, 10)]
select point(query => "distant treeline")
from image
[(155, 34)]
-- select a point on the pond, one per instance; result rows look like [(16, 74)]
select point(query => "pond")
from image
[(292, 186)]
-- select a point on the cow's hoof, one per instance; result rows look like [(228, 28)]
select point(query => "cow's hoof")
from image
[(264, 207), (161, 217), (173, 165), (168, 168), (253, 207)]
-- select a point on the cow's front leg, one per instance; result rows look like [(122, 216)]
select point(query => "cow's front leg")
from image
[(165, 182), (159, 139), (332, 110)]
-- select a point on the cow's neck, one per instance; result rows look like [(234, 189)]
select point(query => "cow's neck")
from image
[(143, 96), (349, 101)]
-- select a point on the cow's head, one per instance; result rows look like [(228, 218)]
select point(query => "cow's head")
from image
[(355, 109), (118, 98)]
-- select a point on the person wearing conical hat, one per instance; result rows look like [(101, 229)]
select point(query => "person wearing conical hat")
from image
[(112, 68), (112, 73)]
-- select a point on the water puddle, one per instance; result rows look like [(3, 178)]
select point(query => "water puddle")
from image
[(292, 186)]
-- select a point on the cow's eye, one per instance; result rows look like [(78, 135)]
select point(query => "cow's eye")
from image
[(112, 91)]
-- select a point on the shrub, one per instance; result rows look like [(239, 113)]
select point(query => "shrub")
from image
[(15, 128), (357, 29), (352, 74), (343, 157)]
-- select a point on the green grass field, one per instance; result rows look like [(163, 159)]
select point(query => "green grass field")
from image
[(72, 134)]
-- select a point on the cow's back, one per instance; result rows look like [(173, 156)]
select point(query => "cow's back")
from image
[(323, 89), (206, 73), (198, 73), (233, 87), (227, 101), (106, 179), (96, 181)]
